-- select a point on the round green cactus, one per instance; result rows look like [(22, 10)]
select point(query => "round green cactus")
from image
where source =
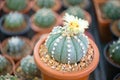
[(15, 45), (44, 18), (114, 50), (8, 77), (68, 44), (111, 9), (14, 20), (46, 3), (16, 5), (76, 11), (3, 62), (28, 66), (74, 2)]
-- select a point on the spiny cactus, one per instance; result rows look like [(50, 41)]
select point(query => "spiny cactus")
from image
[(28, 66), (8, 77), (68, 44), (16, 5), (76, 11), (111, 9), (46, 3), (14, 20), (44, 18), (15, 45), (3, 63), (74, 2), (114, 50)]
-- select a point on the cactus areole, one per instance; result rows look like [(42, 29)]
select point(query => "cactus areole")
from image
[(68, 44)]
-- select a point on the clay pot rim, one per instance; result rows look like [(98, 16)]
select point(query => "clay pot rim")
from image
[(54, 8), (87, 16), (29, 6), (114, 24), (27, 41), (66, 75), (11, 61), (26, 18), (40, 29), (107, 58)]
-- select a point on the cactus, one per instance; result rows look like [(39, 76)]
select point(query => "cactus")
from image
[(114, 50), (44, 18), (14, 20), (76, 11), (16, 5), (119, 25), (111, 9), (3, 62), (68, 44), (8, 77), (15, 45), (28, 66), (46, 3), (74, 2)]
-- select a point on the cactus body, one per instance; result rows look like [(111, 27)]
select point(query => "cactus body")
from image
[(28, 66), (74, 2), (3, 62), (76, 11), (15, 45), (111, 9), (44, 18), (8, 77), (46, 3), (114, 51), (14, 20), (16, 5)]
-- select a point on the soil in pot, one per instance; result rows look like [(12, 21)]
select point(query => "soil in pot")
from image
[(8, 64), (16, 54), (12, 29)]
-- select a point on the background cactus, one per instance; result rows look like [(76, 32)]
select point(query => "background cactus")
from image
[(44, 18), (45, 3), (114, 50), (8, 77), (14, 20), (111, 9), (15, 45), (76, 11), (28, 66), (74, 2), (3, 63), (16, 5)]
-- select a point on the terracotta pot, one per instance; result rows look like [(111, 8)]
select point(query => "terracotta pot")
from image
[(29, 46), (51, 74), (89, 35), (1, 4), (17, 31), (117, 77), (29, 6), (55, 8), (114, 29), (12, 64), (104, 29), (87, 16), (111, 67), (45, 30)]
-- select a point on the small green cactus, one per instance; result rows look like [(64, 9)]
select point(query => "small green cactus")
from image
[(16, 5), (111, 9), (114, 50), (46, 3), (76, 11), (28, 66), (119, 25), (15, 45), (74, 2), (14, 20), (8, 77), (68, 44), (44, 18), (4, 63)]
